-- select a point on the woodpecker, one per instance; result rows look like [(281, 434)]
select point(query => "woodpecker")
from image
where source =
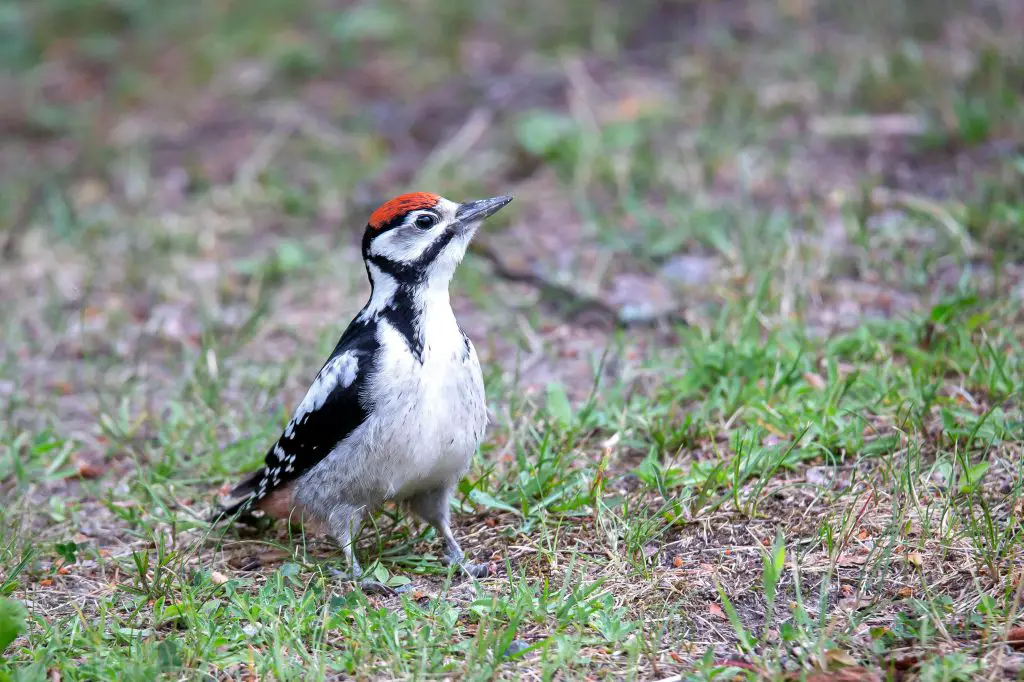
[(398, 409)]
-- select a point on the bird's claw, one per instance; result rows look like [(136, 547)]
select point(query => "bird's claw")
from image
[(474, 570)]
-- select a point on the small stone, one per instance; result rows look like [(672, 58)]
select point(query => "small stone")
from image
[(515, 647), (689, 270)]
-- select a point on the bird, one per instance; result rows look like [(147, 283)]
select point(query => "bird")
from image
[(398, 409)]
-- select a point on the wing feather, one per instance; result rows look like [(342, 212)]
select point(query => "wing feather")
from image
[(332, 408)]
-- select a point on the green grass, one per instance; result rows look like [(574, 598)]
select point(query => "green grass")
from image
[(820, 470)]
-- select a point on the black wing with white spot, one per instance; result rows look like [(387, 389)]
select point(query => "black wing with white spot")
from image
[(328, 413)]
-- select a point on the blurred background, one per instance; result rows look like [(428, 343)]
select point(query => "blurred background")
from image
[(779, 242), (185, 184)]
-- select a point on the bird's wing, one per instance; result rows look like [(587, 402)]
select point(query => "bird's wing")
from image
[(331, 409)]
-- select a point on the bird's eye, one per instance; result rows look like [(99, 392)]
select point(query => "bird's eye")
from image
[(425, 221)]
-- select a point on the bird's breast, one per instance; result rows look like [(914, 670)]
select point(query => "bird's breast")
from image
[(431, 414)]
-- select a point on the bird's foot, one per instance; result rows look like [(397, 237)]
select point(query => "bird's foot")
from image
[(475, 570), (472, 569)]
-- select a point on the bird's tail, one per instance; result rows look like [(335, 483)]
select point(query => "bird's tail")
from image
[(238, 500)]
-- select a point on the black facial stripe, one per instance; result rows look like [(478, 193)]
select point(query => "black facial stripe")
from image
[(401, 312), (434, 249), (414, 272), (400, 272)]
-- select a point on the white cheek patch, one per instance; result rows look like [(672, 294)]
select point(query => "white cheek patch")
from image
[(404, 244), (339, 373)]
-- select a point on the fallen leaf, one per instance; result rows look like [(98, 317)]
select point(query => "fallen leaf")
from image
[(45, 582), (815, 381), (89, 466), (1015, 638), (716, 610), (854, 603), (838, 657), (847, 559)]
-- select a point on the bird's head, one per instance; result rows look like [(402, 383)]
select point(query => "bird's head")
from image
[(420, 238)]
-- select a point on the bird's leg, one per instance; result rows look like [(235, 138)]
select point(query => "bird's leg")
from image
[(433, 507), (344, 525)]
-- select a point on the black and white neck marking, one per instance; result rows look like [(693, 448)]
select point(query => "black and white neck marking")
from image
[(410, 267)]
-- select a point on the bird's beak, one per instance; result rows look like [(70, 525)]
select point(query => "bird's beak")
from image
[(473, 211)]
